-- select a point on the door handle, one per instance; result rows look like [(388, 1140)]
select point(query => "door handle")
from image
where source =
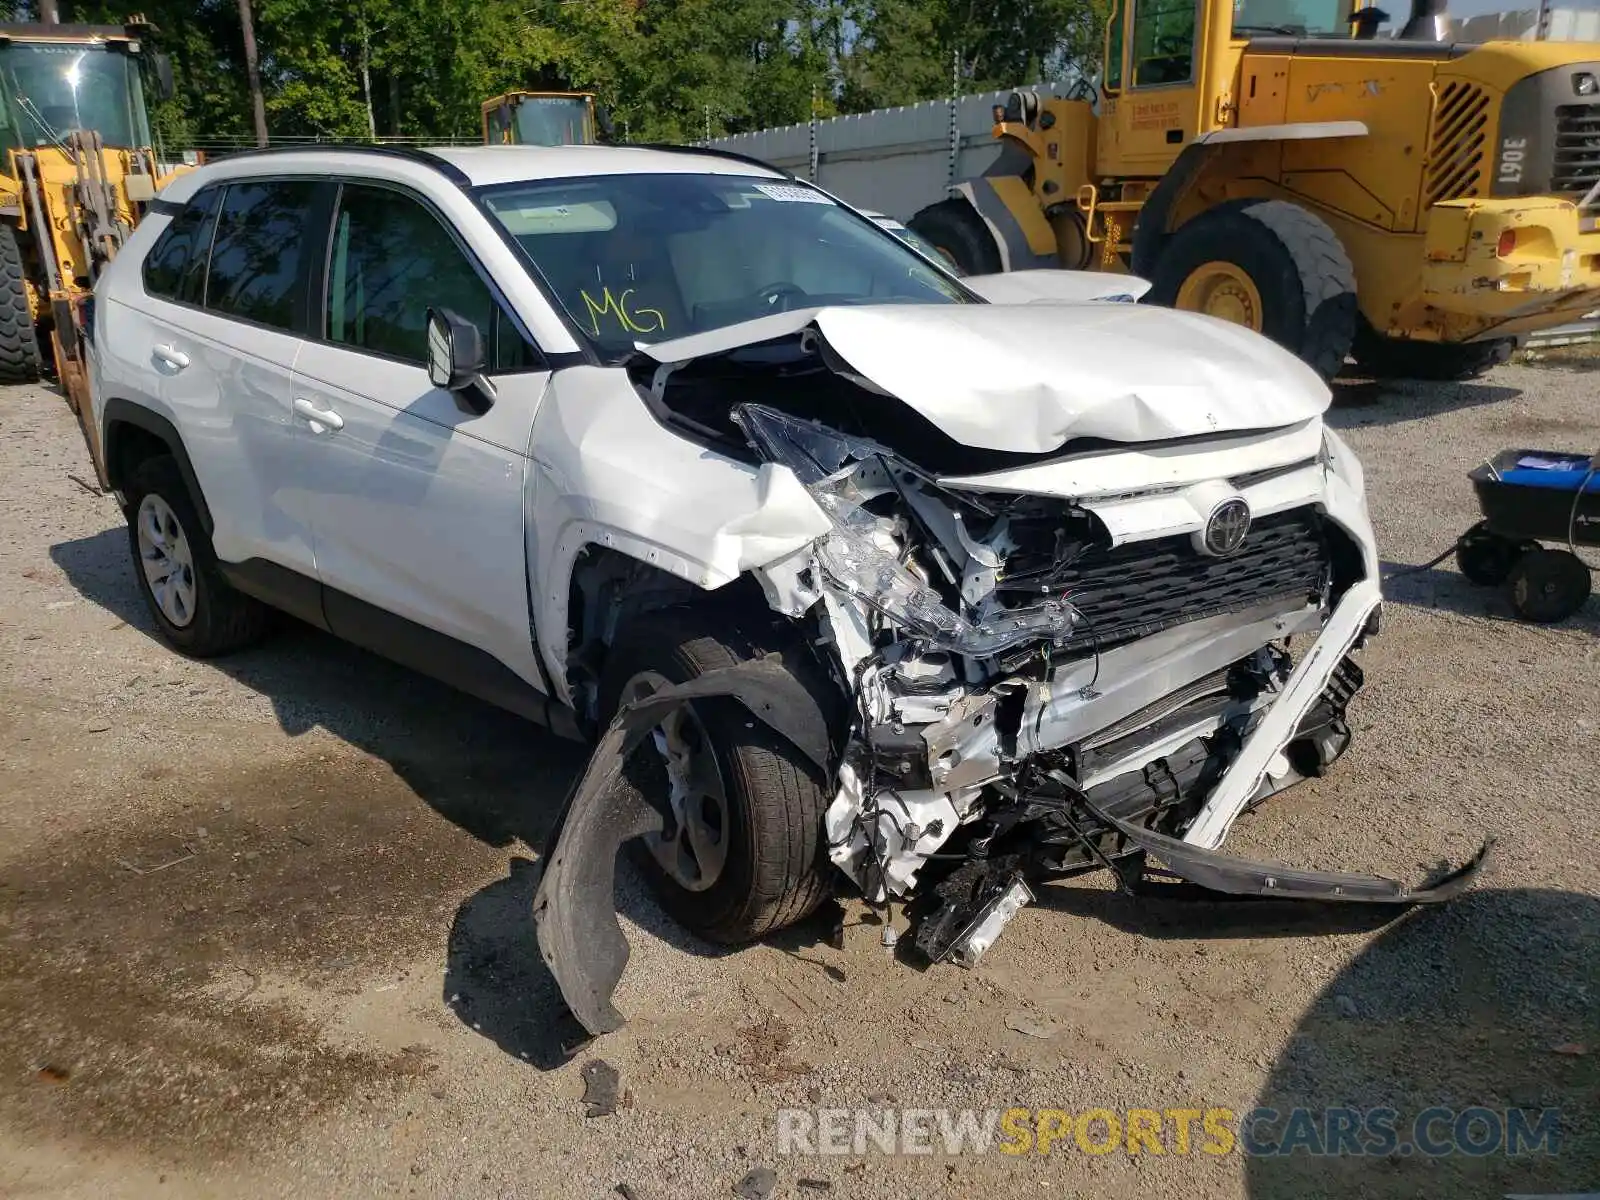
[(176, 359), (321, 419)]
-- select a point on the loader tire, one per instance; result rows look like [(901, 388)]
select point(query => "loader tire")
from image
[(772, 869), (958, 232), (1397, 358), (19, 343), (1268, 265)]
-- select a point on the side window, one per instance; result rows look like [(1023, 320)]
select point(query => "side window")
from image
[(256, 256), (1163, 42), (175, 268), (391, 260), (1114, 41)]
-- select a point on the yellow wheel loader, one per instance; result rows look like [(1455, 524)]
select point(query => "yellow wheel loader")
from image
[(1415, 202), (544, 119), (77, 172)]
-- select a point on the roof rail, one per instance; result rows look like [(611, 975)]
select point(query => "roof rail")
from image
[(711, 150), (413, 153)]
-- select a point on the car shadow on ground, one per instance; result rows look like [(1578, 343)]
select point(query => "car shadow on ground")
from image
[(1438, 587), (1363, 402), (1490, 1002), (491, 773)]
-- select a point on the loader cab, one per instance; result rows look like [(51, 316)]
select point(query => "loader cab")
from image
[(82, 78), (544, 119)]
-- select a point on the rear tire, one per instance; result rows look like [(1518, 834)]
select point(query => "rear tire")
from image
[(1304, 286), (20, 361), (199, 614), (1486, 558), (774, 868), (1397, 358), (956, 229)]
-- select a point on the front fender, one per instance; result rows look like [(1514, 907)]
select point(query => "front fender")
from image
[(574, 908)]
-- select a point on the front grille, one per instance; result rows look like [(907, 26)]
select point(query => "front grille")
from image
[(1577, 157), (1455, 144), (1135, 589)]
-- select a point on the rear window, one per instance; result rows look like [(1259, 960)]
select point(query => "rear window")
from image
[(257, 252), (175, 268), (646, 258)]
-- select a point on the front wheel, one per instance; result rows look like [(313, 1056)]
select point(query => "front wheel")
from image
[(744, 852), (1270, 266), (958, 232)]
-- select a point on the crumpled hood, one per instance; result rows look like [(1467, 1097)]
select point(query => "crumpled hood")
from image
[(1027, 378)]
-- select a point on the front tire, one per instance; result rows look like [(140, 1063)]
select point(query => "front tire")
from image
[(20, 361), (195, 609), (958, 232), (1268, 265), (1397, 358), (749, 855)]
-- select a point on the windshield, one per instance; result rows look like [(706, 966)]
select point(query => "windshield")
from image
[(50, 90), (1292, 18), (646, 258), (554, 121)]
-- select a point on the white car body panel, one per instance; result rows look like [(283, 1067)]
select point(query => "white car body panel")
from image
[(232, 403), (1047, 285), (607, 474), (417, 507), (1026, 379)]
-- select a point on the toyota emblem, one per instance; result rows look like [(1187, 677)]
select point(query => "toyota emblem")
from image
[(1226, 527)]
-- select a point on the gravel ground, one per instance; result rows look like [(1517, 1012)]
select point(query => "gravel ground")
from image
[(264, 922)]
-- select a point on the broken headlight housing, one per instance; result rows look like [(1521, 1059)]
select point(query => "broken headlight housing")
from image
[(860, 556)]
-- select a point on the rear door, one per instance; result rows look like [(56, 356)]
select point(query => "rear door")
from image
[(419, 505), (228, 307)]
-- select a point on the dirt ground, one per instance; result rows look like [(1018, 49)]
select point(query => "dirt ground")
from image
[(264, 922)]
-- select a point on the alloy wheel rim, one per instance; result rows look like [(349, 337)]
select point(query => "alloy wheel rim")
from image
[(693, 849), (167, 560)]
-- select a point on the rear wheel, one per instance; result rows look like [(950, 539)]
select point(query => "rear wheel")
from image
[(744, 851), (19, 343), (195, 609), (1398, 358), (958, 232), (1486, 558), (1270, 266)]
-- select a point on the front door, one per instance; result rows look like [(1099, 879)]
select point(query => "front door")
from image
[(418, 510), (1157, 113)]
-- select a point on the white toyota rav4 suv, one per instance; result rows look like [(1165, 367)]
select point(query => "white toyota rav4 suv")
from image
[(890, 581)]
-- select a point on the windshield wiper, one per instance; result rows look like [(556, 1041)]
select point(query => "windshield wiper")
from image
[(1287, 30)]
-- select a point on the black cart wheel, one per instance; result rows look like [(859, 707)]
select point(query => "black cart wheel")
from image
[(1549, 585), (1486, 558)]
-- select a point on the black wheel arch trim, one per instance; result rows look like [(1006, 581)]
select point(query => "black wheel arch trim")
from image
[(119, 413)]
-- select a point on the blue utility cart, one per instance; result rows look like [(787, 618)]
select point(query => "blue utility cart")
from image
[(1528, 497)]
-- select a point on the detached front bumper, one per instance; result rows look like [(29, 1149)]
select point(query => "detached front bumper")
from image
[(1549, 273)]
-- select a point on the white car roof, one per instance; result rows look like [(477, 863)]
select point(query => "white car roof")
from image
[(511, 164), (475, 165)]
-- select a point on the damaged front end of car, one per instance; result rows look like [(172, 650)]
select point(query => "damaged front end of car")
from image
[(1055, 664)]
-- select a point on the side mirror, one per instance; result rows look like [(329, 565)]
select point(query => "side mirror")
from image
[(602, 122), (456, 361), (165, 86)]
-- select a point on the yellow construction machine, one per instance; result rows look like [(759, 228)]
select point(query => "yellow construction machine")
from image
[(544, 119), (1281, 164), (78, 170)]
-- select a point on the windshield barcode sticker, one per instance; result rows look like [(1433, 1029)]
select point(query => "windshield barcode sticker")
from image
[(791, 193)]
